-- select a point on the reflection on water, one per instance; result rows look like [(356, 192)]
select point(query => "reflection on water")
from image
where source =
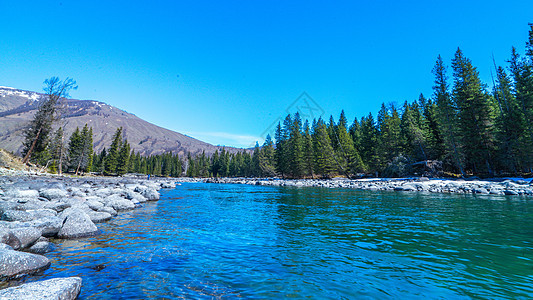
[(227, 241)]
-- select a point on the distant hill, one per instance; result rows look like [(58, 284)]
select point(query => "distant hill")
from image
[(17, 108)]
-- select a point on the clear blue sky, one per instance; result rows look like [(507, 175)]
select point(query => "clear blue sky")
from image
[(223, 71)]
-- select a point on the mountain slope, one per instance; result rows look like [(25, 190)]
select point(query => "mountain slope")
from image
[(17, 108)]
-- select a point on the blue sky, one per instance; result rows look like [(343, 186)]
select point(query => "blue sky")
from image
[(224, 71)]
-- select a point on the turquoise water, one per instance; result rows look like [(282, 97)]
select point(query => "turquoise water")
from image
[(229, 241)]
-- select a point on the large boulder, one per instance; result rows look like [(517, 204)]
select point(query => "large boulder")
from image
[(135, 197), (7, 237), (150, 194), (94, 203), (53, 194), (24, 216), (118, 203), (49, 226), (58, 206), (99, 216), (109, 210), (57, 288), (14, 263), (26, 235), (9, 205), (76, 224), (24, 194)]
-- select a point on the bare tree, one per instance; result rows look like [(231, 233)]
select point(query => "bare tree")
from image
[(38, 133)]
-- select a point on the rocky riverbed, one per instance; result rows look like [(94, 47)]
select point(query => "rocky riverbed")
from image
[(501, 186), (35, 207)]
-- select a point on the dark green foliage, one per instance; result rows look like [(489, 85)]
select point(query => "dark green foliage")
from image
[(475, 115), (80, 150), (447, 115), (57, 151), (123, 159), (266, 159), (324, 156)]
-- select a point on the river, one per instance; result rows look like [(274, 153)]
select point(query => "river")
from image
[(227, 241)]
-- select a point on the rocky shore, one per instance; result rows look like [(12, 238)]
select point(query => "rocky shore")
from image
[(509, 186), (35, 207)]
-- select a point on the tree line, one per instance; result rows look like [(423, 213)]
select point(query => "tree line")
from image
[(464, 128)]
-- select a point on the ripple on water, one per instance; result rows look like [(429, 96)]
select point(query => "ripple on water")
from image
[(227, 241)]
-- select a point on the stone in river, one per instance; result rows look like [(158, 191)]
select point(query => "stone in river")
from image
[(7, 237), (99, 216), (77, 224), (57, 288), (14, 263), (26, 235), (52, 194)]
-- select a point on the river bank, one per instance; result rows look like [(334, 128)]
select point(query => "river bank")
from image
[(37, 207), (501, 186)]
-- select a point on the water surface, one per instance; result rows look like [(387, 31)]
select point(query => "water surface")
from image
[(228, 241)]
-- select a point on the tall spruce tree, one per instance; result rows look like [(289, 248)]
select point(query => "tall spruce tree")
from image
[(447, 116), (324, 161), (295, 148), (113, 152), (346, 153), (475, 116), (308, 151), (58, 151), (124, 156), (266, 158)]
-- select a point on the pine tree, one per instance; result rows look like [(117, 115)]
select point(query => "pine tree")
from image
[(369, 141), (389, 144), (324, 163), (266, 158), (308, 151), (414, 132), (295, 148), (522, 73), (346, 153), (124, 156), (435, 142), (447, 116), (511, 125), (75, 146), (112, 155), (475, 114), (80, 150), (57, 151), (281, 151), (256, 170)]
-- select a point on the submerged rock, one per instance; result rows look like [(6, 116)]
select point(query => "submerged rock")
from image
[(14, 263), (57, 288), (41, 247)]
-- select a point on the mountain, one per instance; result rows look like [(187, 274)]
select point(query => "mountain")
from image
[(17, 108)]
